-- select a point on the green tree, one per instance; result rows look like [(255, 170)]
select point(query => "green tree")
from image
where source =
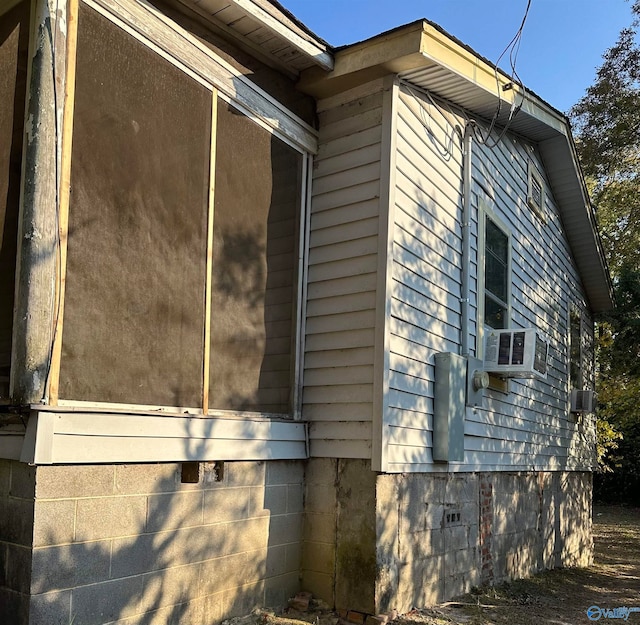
[(607, 125), (618, 386)]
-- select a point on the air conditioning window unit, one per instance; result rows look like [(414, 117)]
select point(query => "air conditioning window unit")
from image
[(583, 401), (522, 353)]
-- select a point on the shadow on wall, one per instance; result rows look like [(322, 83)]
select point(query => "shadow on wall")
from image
[(164, 543), (440, 535)]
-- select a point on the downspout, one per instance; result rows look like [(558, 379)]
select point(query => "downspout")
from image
[(466, 238)]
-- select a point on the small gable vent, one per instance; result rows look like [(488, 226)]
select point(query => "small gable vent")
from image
[(535, 195)]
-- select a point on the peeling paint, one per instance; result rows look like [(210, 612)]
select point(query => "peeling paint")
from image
[(30, 130), (61, 19), (33, 234), (36, 379)]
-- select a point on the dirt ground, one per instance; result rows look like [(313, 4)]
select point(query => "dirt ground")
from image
[(558, 597), (562, 596)]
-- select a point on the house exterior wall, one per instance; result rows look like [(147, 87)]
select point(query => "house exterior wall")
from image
[(134, 544), (442, 528), (348, 395), (342, 275), (531, 425)]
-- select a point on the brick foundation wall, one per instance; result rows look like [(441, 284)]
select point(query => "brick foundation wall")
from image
[(134, 544), (486, 529)]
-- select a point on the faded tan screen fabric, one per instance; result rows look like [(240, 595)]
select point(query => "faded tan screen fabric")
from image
[(256, 224), (134, 325), (134, 304), (14, 43)]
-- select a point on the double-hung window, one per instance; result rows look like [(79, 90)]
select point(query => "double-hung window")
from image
[(496, 271), (494, 280)]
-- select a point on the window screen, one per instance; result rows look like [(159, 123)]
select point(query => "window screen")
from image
[(14, 42), (257, 203), (134, 307)]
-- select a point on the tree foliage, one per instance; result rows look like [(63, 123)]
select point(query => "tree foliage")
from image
[(618, 387), (607, 124)]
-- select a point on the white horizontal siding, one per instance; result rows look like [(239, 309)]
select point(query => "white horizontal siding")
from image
[(342, 275), (530, 426)]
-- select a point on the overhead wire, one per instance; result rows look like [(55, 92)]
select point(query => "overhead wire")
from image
[(513, 47), (444, 150)]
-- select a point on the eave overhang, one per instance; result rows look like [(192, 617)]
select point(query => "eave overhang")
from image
[(267, 27), (423, 54)]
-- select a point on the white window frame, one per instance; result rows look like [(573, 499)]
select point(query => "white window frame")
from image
[(575, 312), (485, 211), (536, 179)]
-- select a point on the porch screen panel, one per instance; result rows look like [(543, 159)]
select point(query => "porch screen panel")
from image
[(14, 43), (255, 252), (134, 308)]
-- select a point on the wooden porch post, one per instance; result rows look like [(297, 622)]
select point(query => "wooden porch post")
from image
[(38, 248)]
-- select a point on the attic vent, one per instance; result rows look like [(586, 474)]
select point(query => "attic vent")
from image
[(535, 195)]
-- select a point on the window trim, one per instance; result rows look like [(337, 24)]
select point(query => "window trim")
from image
[(575, 313), (485, 211), (535, 178), (153, 30)]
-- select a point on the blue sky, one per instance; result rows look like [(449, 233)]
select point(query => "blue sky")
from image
[(562, 43)]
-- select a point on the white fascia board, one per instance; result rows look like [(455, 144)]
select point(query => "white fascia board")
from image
[(59, 435), (313, 49), (437, 48)]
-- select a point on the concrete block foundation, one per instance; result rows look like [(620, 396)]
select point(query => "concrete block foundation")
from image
[(132, 544), (399, 541)]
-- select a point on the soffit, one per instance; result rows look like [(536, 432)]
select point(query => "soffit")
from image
[(427, 57), (266, 26)]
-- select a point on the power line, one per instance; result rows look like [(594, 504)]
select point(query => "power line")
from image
[(513, 47)]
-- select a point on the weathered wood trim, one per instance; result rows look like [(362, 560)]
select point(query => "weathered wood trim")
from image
[(76, 436), (197, 10), (63, 197), (301, 303), (114, 408), (386, 222), (209, 268), (307, 46), (38, 220), (147, 23)]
